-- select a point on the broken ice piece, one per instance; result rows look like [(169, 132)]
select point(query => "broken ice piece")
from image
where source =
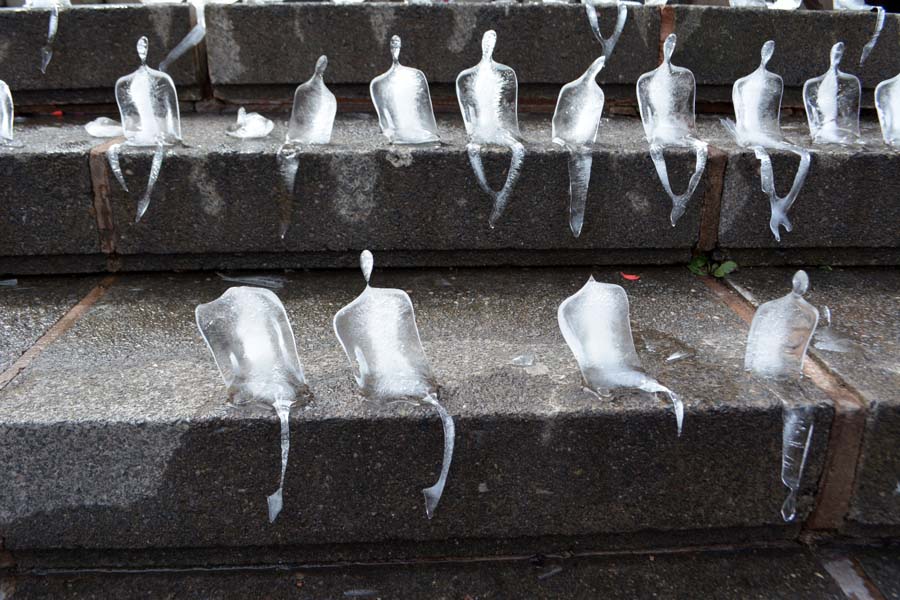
[(251, 340), (609, 43), (780, 333), (595, 323), (887, 103), (523, 360), (148, 106), (666, 101), (7, 114), (403, 102), (52, 26), (796, 438), (249, 126), (378, 333), (832, 104), (488, 98), (104, 127), (860, 5), (826, 338), (575, 123), (757, 107)]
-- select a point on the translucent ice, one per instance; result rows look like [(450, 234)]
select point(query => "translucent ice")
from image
[(832, 104), (104, 127), (250, 125), (775, 4), (780, 333), (403, 103), (596, 325), (379, 335), (194, 36), (148, 106), (666, 100), (274, 282), (7, 114), (757, 108), (887, 102), (52, 26), (488, 98), (879, 23), (250, 337), (826, 338), (609, 43), (523, 360), (796, 437), (575, 123)]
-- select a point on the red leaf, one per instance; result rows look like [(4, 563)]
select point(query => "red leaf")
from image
[(57, 113), (629, 276)]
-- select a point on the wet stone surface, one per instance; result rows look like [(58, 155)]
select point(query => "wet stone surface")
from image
[(126, 415)]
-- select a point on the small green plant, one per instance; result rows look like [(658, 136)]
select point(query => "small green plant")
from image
[(702, 265)]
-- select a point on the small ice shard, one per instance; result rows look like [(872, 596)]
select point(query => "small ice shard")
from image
[(250, 125), (826, 338), (378, 333), (832, 104), (774, 4), (274, 282), (7, 114), (104, 127), (248, 332), (9, 282), (148, 106), (757, 108), (860, 5), (609, 43), (312, 121), (575, 123), (52, 26), (596, 325), (403, 103), (488, 97), (676, 356), (523, 360), (666, 100), (796, 438), (887, 103), (780, 333)]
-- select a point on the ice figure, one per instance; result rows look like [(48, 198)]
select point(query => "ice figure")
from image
[(379, 335), (666, 100), (250, 337), (250, 125), (609, 43), (7, 114), (757, 108), (403, 103), (148, 106), (832, 104), (575, 123), (312, 121), (858, 5), (887, 102), (52, 27), (488, 96), (104, 127), (596, 325), (776, 346)]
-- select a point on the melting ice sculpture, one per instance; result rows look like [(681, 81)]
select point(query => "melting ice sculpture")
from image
[(858, 5), (403, 103), (575, 123), (887, 103), (312, 121), (832, 104), (379, 335), (596, 325), (250, 125), (7, 113), (52, 27), (757, 108), (776, 347), (148, 106), (488, 97), (609, 43), (666, 100), (251, 340)]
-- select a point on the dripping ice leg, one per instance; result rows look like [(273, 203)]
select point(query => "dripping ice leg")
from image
[(275, 500), (433, 493), (155, 168), (796, 436), (870, 45), (474, 152), (780, 206), (52, 27), (515, 169), (112, 156), (580, 160), (288, 158)]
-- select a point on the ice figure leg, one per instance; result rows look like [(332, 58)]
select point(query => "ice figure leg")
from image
[(155, 168), (47, 50), (608, 43), (433, 493), (580, 160), (679, 201), (870, 45), (112, 156), (780, 206)]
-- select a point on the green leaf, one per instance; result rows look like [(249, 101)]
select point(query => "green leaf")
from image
[(699, 265), (725, 268)]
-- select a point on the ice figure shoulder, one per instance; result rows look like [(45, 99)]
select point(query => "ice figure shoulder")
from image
[(578, 109)]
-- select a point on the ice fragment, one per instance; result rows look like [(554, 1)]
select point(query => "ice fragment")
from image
[(249, 126), (104, 127), (826, 338), (523, 360), (832, 104)]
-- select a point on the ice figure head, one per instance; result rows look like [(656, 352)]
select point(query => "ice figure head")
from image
[(780, 333), (887, 103), (578, 109), (757, 103), (403, 102), (666, 99), (488, 98), (250, 337), (379, 335), (148, 105), (6, 114), (312, 118), (832, 103)]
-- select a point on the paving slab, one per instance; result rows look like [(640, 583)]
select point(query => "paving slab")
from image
[(95, 45), (863, 349), (118, 436), (770, 574), (882, 567)]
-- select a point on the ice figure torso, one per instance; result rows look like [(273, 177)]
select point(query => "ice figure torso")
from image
[(403, 102), (780, 333), (832, 103), (887, 103), (6, 114), (578, 109), (488, 98), (148, 105), (666, 100), (314, 110), (757, 104)]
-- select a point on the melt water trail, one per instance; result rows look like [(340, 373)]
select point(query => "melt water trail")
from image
[(796, 437)]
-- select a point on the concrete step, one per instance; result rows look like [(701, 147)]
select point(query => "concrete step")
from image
[(119, 443), (219, 202)]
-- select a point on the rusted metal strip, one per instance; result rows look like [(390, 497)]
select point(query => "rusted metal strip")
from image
[(100, 181), (711, 202)]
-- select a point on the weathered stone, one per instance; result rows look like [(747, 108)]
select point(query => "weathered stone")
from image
[(125, 415)]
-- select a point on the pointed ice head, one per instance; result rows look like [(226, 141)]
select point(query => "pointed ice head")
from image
[(315, 107)]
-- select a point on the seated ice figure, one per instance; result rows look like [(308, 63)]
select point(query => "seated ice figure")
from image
[(314, 109), (887, 103), (832, 104), (7, 113)]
